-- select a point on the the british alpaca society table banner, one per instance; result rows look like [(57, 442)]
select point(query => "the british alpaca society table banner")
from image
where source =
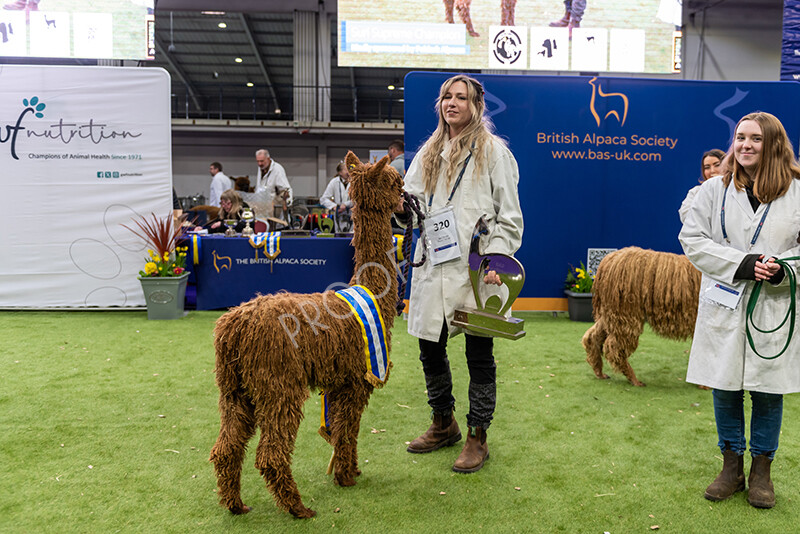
[(83, 150)]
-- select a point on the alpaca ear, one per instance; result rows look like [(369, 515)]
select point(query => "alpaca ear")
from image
[(351, 160), (384, 161)]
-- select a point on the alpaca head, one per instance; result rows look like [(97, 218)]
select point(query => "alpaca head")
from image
[(374, 188)]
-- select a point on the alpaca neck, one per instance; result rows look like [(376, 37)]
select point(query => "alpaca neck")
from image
[(375, 260)]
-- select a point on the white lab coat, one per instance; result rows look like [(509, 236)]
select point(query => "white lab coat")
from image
[(335, 195), (219, 184), (273, 181), (721, 357), (436, 291), (686, 205)]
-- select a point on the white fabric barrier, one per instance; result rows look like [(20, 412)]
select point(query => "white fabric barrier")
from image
[(83, 150)]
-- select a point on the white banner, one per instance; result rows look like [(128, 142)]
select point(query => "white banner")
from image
[(83, 151)]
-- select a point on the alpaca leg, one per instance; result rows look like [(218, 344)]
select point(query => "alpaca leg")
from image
[(620, 345), (279, 424), (593, 341), (462, 6), (507, 12), (448, 11), (346, 407), (237, 426)]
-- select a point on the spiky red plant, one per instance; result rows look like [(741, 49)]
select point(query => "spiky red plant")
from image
[(161, 234)]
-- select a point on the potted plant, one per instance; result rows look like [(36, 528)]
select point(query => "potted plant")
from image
[(578, 287), (164, 275)]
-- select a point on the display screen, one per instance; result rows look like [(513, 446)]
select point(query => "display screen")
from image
[(101, 29), (549, 35)]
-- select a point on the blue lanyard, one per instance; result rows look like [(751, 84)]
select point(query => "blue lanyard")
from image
[(722, 220), (455, 186)]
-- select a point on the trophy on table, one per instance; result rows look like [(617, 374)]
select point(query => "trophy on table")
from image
[(231, 224), (326, 225), (247, 217), (488, 317)]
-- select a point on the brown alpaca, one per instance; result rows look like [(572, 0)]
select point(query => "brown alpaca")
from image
[(211, 211), (272, 350), (633, 285), (242, 183), (462, 6)]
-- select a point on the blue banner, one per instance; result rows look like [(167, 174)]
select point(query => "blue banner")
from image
[(790, 46), (230, 271), (604, 162)]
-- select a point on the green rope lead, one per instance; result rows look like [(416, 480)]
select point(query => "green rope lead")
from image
[(790, 312)]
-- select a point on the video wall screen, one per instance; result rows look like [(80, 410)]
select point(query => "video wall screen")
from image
[(597, 36), (100, 29)]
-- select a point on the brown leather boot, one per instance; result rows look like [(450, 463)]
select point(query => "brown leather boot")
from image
[(761, 492), (562, 22), (444, 432), (475, 452), (730, 480)]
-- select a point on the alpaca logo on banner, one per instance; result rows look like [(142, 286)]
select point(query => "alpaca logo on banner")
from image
[(224, 261), (508, 48), (614, 102)]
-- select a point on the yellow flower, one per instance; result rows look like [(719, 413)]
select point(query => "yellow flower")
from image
[(166, 256), (150, 267)]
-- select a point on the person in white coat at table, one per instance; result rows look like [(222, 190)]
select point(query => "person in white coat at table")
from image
[(271, 177), (462, 172), (739, 223), (337, 200)]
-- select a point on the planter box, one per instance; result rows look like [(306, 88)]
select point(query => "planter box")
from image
[(579, 306), (165, 296)]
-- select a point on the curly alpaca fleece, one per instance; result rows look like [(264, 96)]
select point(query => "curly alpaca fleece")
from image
[(272, 350), (635, 285)]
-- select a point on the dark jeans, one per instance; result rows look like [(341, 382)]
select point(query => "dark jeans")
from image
[(576, 8), (765, 421), (482, 375)]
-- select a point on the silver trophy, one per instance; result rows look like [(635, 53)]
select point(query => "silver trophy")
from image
[(488, 317)]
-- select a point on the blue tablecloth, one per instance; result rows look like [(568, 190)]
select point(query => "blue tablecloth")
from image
[(230, 272)]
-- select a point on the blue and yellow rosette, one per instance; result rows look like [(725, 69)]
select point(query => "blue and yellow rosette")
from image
[(269, 241)]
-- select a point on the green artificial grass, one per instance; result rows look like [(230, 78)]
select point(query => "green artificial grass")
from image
[(107, 421)]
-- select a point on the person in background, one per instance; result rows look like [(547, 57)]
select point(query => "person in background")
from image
[(710, 166), (737, 225), (396, 154), (271, 177), (219, 183), (231, 206), (177, 209), (573, 15), (19, 5), (337, 200), (462, 172)]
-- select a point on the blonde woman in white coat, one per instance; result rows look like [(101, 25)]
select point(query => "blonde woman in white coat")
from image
[(738, 224), (462, 166)]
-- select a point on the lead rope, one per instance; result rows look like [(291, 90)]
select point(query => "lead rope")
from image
[(790, 312), (412, 207)]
